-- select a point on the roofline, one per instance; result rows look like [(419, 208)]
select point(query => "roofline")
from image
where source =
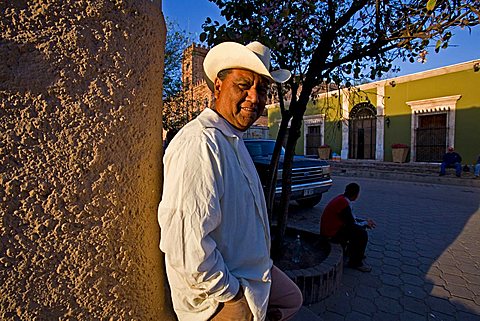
[(410, 77), (422, 74), (401, 79)]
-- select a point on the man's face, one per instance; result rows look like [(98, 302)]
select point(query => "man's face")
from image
[(240, 98)]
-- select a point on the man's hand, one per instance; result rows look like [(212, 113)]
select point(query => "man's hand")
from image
[(371, 223)]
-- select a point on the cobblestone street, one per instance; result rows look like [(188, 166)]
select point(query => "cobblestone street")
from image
[(425, 253)]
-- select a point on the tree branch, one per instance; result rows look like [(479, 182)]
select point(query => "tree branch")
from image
[(343, 20)]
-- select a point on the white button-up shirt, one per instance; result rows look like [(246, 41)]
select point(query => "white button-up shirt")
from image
[(214, 224)]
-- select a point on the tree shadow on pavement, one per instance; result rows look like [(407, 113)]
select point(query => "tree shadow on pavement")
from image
[(425, 253)]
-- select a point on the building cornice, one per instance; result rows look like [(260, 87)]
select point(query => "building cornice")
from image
[(434, 104)]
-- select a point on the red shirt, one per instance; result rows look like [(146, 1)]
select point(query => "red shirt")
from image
[(335, 215)]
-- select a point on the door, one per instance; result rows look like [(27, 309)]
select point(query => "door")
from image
[(360, 143), (363, 131), (431, 138), (314, 139)]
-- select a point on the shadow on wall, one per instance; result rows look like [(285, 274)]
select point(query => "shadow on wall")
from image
[(432, 133)]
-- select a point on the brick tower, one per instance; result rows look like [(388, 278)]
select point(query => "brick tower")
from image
[(192, 65), (193, 75)]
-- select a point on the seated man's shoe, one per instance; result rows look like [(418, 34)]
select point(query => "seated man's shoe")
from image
[(361, 268), (441, 174)]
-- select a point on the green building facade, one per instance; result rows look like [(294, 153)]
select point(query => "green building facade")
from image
[(427, 111)]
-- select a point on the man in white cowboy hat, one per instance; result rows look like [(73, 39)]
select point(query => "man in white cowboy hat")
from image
[(214, 226)]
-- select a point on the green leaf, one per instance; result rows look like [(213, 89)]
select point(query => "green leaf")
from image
[(437, 45), (431, 5), (203, 36)]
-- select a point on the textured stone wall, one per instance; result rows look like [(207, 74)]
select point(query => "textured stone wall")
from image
[(80, 156)]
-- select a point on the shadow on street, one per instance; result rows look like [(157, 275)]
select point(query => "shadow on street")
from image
[(425, 253)]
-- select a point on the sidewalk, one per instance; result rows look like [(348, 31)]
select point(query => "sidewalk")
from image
[(425, 255), (306, 315), (413, 172)]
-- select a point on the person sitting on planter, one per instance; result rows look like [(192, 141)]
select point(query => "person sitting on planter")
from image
[(451, 159), (339, 225)]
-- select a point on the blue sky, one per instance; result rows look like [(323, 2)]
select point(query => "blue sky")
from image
[(190, 14)]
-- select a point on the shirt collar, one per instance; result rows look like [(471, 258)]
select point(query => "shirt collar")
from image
[(210, 119)]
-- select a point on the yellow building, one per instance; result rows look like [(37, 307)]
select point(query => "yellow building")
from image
[(427, 111)]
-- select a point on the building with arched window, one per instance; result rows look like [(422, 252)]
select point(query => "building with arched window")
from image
[(427, 111)]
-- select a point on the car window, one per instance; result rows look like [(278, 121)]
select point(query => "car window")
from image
[(261, 148)]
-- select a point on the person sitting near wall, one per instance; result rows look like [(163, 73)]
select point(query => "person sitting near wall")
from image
[(451, 159), (339, 225), (477, 168)]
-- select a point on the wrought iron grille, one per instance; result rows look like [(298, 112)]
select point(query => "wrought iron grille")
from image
[(430, 144), (431, 137), (314, 140)]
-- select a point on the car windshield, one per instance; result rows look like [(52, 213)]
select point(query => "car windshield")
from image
[(261, 148)]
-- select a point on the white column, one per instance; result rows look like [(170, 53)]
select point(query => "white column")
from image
[(305, 130), (413, 126), (345, 106), (451, 125), (379, 144)]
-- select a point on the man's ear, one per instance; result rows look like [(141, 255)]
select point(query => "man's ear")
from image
[(216, 87)]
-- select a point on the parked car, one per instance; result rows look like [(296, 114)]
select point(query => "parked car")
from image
[(310, 176)]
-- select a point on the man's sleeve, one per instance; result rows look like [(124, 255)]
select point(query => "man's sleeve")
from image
[(346, 216), (188, 213)]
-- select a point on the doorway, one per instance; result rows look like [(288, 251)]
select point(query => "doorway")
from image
[(362, 131), (313, 139), (431, 137)]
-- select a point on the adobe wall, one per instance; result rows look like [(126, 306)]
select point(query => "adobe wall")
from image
[(80, 156)]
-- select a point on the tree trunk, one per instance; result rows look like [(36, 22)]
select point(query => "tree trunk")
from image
[(272, 178), (297, 110)]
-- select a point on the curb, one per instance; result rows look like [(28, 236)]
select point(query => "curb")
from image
[(317, 283), (423, 178)]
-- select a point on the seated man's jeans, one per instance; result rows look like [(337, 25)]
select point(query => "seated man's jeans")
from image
[(457, 166), (357, 239), (477, 170)]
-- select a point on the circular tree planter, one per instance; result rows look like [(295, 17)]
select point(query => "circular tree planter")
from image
[(318, 277)]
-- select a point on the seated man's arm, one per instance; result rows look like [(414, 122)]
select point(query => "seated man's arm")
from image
[(346, 216), (366, 222)]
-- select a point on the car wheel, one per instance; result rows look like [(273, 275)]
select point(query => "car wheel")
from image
[(309, 202)]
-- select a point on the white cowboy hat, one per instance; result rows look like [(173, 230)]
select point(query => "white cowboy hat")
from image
[(254, 57)]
